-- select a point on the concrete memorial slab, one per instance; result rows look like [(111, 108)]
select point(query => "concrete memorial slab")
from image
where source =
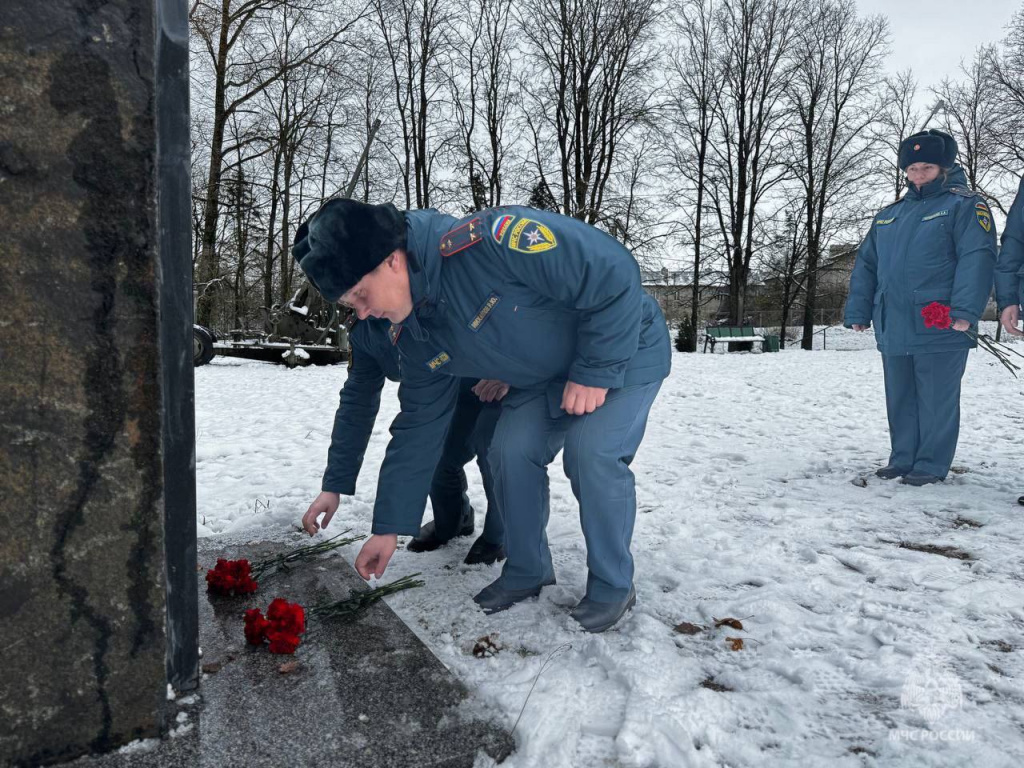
[(361, 693)]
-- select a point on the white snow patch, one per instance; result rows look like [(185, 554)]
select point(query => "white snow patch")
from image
[(139, 746), (745, 509)]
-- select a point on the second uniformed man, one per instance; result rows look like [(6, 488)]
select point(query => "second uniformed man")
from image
[(1010, 271)]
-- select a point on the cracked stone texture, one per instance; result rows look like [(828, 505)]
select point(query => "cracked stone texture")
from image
[(364, 693), (81, 550)]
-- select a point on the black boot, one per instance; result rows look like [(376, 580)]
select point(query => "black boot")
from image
[(484, 552), (889, 472), (1020, 500), (428, 539)]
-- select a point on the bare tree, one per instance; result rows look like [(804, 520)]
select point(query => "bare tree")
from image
[(696, 82), (1007, 68), (753, 40), (970, 115), (242, 64), (786, 265), (411, 34), (244, 214), (589, 84), (371, 80), (838, 59), (898, 120), (480, 77)]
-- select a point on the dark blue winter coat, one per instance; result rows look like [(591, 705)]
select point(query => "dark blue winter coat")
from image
[(373, 359), (524, 296), (1010, 267), (936, 244)]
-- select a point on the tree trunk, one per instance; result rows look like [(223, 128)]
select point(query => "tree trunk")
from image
[(286, 200), (810, 293), (697, 241), (209, 259), (268, 261)]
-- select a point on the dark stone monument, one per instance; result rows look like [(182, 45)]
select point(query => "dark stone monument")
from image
[(96, 424), (99, 596)]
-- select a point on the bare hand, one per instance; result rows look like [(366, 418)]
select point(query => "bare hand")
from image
[(325, 504), (375, 555), (961, 325), (490, 390), (1009, 319), (858, 327), (578, 399)]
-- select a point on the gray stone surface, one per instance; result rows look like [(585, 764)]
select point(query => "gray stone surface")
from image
[(365, 693), (81, 511)]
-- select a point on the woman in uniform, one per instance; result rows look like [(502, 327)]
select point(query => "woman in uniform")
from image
[(935, 245)]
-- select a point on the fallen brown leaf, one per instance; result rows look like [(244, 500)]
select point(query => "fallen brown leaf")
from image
[(212, 667), (686, 628), (485, 646), (288, 667), (735, 643), (733, 623)]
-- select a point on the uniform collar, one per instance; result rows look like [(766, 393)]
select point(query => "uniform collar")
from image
[(423, 232), (955, 178)]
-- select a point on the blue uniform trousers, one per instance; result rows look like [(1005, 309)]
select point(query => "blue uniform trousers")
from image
[(469, 433), (922, 398), (599, 448)]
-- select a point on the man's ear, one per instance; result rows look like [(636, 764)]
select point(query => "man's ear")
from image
[(395, 260)]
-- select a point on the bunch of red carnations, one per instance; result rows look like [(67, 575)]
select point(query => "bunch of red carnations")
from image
[(240, 577), (936, 315), (231, 577), (279, 629)]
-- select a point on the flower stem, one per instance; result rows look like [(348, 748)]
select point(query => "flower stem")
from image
[(995, 348), (264, 569), (359, 602)]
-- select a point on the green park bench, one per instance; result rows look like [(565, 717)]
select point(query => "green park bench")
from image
[(730, 334)]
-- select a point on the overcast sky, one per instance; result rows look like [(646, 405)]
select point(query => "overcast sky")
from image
[(931, 37)]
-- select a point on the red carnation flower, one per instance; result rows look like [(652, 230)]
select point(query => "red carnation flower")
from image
[(281, 627), (936, 315), (231, 577), (255, 626), (287, 617), (282, 642)]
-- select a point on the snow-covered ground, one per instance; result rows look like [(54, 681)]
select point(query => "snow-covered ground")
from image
[(883, 625)]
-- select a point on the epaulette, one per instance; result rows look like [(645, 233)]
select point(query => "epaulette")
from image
[(963, 191), (460, 238), (350, 322)]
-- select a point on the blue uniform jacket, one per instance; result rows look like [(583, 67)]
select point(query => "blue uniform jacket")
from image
[(936, 244), (374, 358), (1010, 267), (528, 297)]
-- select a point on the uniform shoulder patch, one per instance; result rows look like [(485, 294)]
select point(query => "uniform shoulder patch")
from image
[(462, 237), (984, 215), (883, 222), (529, 236)]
